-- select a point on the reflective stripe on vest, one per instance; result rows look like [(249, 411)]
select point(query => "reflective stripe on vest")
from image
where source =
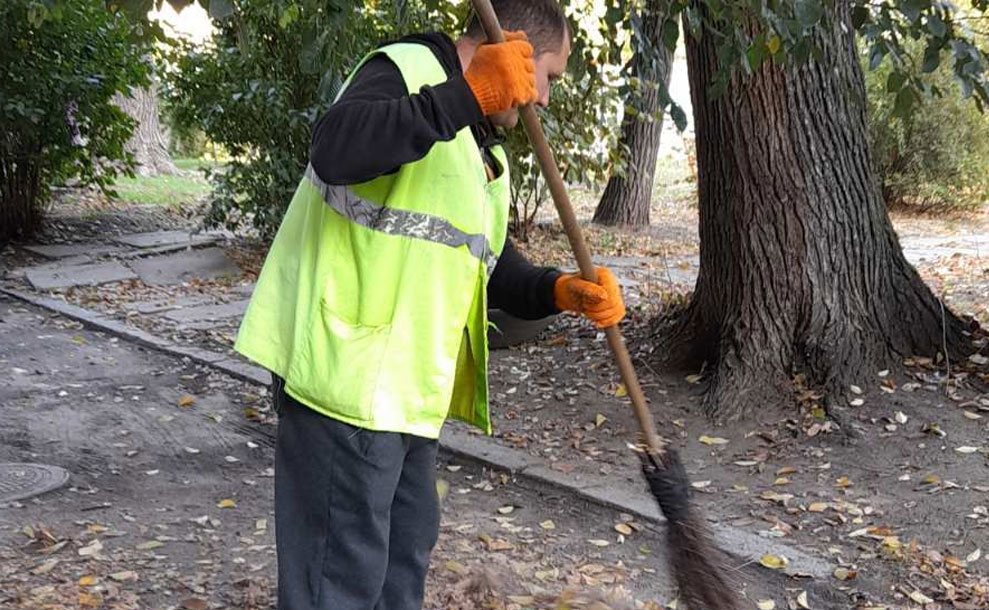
[(403, 223)]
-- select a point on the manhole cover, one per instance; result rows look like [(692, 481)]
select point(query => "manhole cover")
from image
[(19, 481)]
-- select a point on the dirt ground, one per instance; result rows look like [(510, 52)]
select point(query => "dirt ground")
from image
[(894, 491), (170, 500)]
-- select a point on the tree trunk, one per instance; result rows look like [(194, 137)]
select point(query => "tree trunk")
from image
[(627, 198), (148, 143), (801, 270)]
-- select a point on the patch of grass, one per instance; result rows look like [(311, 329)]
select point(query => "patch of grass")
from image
[(167, 190)]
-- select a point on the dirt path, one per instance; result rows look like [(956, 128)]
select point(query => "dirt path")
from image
[(169, 503)]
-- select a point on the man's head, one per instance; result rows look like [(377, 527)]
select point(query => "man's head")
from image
[(548, 32)]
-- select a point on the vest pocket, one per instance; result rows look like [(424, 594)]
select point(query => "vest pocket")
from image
[(339, 364)]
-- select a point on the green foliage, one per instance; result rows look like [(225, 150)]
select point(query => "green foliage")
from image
[(269, 73), (60, 67), (750, 33), (936, 157), (582, 123)]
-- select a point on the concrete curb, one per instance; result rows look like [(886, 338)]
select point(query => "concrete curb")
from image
[(611, 492)]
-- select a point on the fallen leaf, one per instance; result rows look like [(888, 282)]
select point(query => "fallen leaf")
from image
[(456, 567), (900, 417), (802, 600), (855, 389), (700, 484), (843, 482), (90, 600), (442, 488), (773, 562), (524, 600), (496, 544), (693, 378), (124, 576), (781, 481), (785, 470), (45, 567), (150, 544), (843, 574), (818, 507), (226, 504), (599, 542), (974, 556), (624, 529), (191, 450), (506, 510), (599, 420), (766, 604), (548, 525), (978, 359), (88, 581), (91, 549), (971, 415), (195, 603), (966, 449), (856, 402), (920, 598), (187, 401), (712, 440), (622, 391), (931, 479)]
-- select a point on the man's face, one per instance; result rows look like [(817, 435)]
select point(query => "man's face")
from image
[(550, 66)]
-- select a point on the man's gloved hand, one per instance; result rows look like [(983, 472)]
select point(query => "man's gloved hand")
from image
[(601, 302), (502, 75)]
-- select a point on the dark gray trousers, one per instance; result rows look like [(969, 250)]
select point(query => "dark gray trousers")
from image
[(356, 513)]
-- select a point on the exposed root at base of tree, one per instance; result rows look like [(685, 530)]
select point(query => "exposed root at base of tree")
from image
[(750, 362)]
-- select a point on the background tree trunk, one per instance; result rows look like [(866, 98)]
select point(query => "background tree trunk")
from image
[(800, 267), (627, 198), (148, 143)]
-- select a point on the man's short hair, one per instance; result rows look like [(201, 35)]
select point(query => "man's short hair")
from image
[(542, 20)]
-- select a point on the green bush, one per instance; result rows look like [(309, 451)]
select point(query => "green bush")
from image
[(271, 70), (937, 157), (581, 124), (274, 67), (59, 69)]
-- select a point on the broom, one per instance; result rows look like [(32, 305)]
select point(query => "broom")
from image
[(698, 574)]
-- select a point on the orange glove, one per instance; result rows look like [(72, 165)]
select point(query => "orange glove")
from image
[(501, 75), (601, 302)]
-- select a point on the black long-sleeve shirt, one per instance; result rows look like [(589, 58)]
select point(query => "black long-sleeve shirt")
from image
[(377, 126)]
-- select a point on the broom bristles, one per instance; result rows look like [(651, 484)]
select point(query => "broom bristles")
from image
[(697, 563)]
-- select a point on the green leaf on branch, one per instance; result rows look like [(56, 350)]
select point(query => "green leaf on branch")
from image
[(936, 26), (895, 81), (911, 9), (932, 59), (860, 16), (671, 33), (808, 12)]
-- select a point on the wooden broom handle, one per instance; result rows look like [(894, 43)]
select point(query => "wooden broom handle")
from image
[(489, 21)]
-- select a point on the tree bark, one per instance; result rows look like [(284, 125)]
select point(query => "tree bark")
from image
[(148, 143), (801, 270), (626, 199)]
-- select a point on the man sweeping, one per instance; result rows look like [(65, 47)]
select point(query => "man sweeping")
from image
[(370, 310)]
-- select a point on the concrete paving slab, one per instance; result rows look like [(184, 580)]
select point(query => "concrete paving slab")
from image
[(167, 238), (208, 313), (56, 276), (62, 251), (244, 289), (184, 266), (159, 306)]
